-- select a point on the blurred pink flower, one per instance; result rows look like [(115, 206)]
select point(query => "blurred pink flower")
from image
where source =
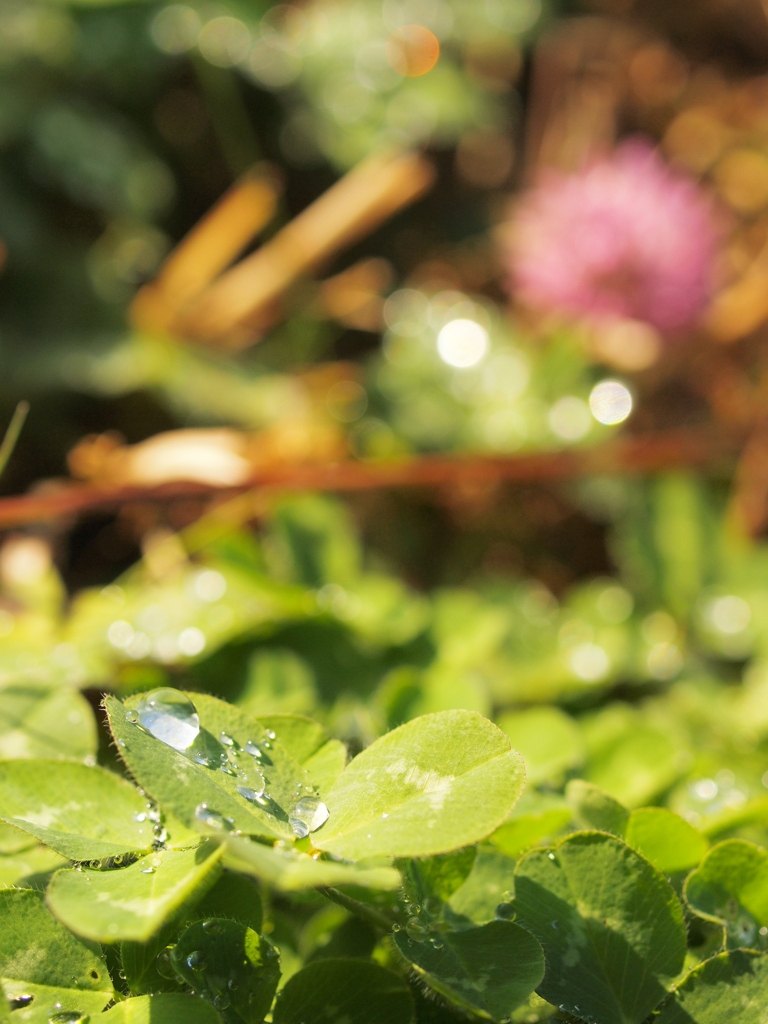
[(625, 237)]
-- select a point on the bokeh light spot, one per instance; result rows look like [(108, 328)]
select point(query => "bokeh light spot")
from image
[(413, 50), (462, 343), (610, 402)]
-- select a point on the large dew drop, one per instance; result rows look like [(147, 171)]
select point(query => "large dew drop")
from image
[(307, 816), (170, 717)]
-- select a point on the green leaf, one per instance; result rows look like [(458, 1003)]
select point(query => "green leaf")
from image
[(81, 812), (235, 897), (731, 987), (308, 743), (490, 882), (164, 1008), (730, 886), (278, 681), (438, 877), (353, 991), (41, 721), (610, 924), (438, 783), (314, 541), (633, 760), (41, 959), (130, 904), (145, 964), (230, 965), (181, 785), (594, 808), (538, 817), (12, 840), (290, 870), (549, 740), (489, 970), (668, 841), (29, 869)]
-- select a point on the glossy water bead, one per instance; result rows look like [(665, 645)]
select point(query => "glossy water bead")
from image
[(170, 717), (308, 815)]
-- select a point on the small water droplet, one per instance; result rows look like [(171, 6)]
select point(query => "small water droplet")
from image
[(221, 1001), (203, 760), (555, 924), (308, 815), (69, 1017), (226, 740), (252, 749), (251, 794), (269, 733), (132, 717), (121, 742), (163, 963), (140, 816), (212, 926), (415, 930), (267, 745), (210, 818), (196, 960), (504, 912), (551, 856), (148, 870), (170, 717)]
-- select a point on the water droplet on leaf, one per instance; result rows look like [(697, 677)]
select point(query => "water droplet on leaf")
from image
[(504, 912), (170, 717), (308, 815), (210, 818), (196, 960), (415, 930)]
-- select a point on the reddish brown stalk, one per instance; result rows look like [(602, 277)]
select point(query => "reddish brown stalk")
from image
[(626, 456)]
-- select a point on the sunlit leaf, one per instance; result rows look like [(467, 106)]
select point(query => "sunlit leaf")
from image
[(549, 740), (45, 722), (730, 886), (594, 808), (163, 1008), (40, 959), (182, 784), (290, 870), (668, 841), (82, 813), (435, 784), (132, 903)]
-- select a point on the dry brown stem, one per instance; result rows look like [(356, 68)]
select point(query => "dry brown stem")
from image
[(625, 456)]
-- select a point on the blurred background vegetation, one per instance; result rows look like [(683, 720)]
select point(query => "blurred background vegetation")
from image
[(210, 486)]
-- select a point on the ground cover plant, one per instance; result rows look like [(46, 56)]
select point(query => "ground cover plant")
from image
[(383, 618)]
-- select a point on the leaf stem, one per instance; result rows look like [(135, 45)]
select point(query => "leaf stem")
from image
[(361, 910), (12, 434)]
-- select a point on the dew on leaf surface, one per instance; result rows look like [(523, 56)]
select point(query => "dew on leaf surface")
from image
[(308, 815), (170, 717), (212, 819), (415, 930), (196, 960), (252, 794), (69, 1017), (504, 912)]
